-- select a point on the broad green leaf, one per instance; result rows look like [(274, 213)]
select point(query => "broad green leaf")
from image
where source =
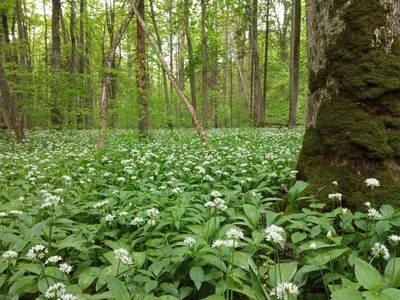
[(157, 267), (252, 213), (150, 285), (214, 261), (85, 280), (170, 289), (297, 237), (139, 258), (287, 272), (257, 287), (367, 275), (383, 227), (389, 276), (322, 256), (393, 293), (294, 192), (26, 284), (386, 210), (117, 288), (197, 275), (347, 294)]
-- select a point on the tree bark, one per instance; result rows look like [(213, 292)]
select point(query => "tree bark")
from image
[(353, 115), (106, 79), (294, 62), (256, 62), (144, 116), (263, 103), (56, 60), (191, 68), (204, 104), (164, 75), (184, 98), (11, 106)]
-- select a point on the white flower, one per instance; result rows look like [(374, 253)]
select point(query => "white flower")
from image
[(373, 213), (218, 243), (335, 182), (16, 212), (344, 210), (313, 246), (55, 290), (190, 242), (136, 221), (37, 251), (66, 178), (10, 254), (109, 218), (177, 190), (335, 196), (394, 238), (283, 290), (225, 243), (274, 234), (123, 213), (123, 255), (50, 200), (293, 173), (235, 234), (216, 194), (367, 204), (21, 199), (53, 259), (329, 235), (152, 212), (152, 222), (65, 268), (3, 214), (372, 182), (380, 250), (209, 204), (99, 204), (121, 179), (208, 178)]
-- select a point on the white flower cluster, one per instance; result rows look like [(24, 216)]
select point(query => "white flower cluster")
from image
[(394, 238), (225, 243), (380, 250), (152, 212), (373, 213), (65, 268), (123, 255), (10, 254), (372, 182), (136, 221), (109, 218), (50, 200), (100, 204), (283, 290), (190, 242), (59, 292), (218, 203), (274, 234), (235, 234), (334, 196), (38, 251), (53, 259)]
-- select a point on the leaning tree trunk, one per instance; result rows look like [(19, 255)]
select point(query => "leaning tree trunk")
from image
[(294, 62), (184, 98), (353, 116)]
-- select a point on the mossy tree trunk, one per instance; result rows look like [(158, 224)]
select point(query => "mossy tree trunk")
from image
[(353, 116)]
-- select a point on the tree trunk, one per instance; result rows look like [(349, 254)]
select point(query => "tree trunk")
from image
[(184, 98), (204, 104), (72, 66), (164, 75), (294, 62), (56, 60), (106, 79), (353, 115), (191, 68), (256, 62), (144, 116), (10, 104)]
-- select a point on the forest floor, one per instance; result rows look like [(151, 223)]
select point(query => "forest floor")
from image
[(168, 218)]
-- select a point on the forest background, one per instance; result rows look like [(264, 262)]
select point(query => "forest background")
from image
[(234, 60)]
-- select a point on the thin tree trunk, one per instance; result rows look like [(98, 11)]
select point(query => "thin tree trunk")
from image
[(192, 78), (256, 61), (12, 108), (56, 60), (294, 62), (204, 104), (265, 85), (73, 38), (106, 79), (141, 78), (46, 51), (184, 98), (164, 75)]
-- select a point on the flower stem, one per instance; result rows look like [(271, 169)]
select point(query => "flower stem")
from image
[(394, 267)]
